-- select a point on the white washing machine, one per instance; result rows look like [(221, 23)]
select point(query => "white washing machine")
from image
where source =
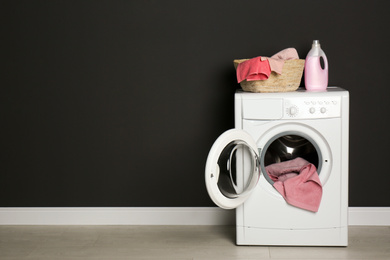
[(275, 127)]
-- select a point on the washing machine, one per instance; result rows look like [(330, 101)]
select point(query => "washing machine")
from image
[(277, 127)]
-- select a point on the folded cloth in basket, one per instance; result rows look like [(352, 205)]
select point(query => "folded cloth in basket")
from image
[(253, 69), (298, 182), (276, 62)]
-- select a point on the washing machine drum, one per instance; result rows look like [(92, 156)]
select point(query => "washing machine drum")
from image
[(288, 147)]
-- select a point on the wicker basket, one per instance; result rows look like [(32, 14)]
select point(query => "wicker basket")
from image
[(289, 80)]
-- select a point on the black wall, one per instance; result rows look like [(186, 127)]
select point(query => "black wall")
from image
[(116, 103)]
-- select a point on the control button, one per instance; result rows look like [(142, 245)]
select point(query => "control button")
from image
[(313, 102), (320, 102), (323, 110), (307, 102), (312, 110)]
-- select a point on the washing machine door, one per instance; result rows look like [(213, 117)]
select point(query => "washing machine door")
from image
[(232, 168)]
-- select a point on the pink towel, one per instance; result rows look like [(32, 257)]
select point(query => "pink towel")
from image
[(276, 62), (253, 69), (298, 182)]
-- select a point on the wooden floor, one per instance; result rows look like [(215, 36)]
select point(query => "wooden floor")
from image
[(172, 242)]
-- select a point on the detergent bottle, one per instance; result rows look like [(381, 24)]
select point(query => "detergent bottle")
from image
[(316, 77)]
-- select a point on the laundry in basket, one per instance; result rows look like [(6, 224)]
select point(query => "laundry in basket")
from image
[(280, 73)]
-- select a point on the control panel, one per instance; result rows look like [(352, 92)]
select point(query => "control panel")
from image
[(312, 107)]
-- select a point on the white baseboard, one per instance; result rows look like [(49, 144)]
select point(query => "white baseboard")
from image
[(156, 216), (116, 216), (369, 216)]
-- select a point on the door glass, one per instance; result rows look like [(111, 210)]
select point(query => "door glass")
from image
[(290, 146), (238, 164)]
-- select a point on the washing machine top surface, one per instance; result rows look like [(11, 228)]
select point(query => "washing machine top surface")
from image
[(300, 104), (330, 91)]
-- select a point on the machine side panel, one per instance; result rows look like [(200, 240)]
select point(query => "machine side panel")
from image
[(238, 111)]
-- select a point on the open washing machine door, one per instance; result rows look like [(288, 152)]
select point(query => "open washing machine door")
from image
[(232, 168)]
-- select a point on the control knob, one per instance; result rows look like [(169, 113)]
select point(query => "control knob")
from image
[(292, 111)]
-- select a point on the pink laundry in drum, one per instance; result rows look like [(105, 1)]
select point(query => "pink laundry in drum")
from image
[(298, 182)]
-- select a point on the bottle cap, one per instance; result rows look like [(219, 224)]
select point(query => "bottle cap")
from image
[(316, 43)]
